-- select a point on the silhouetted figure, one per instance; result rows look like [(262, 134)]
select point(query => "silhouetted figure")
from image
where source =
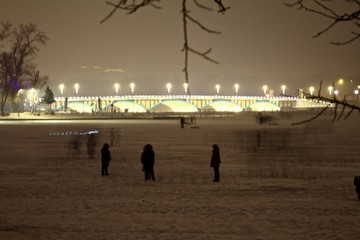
[(148, 161), (182, 122), (357, 185), (105, 159), (215, 162), (75, 147), (91, 145)]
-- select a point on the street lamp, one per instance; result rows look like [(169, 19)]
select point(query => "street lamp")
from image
[(336, 92), (356, 91), (217, 86), (168, 86), (116, 86), (265, 89), (283, 87), (186, 86), (330, 88), (311, 90), (61, 86), (132, 86), (236, 86), (76, 88)]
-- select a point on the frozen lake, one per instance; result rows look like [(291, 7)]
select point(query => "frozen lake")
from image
[(296, 184)]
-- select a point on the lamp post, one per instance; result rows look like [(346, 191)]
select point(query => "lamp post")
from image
[(341, 81), (283, 87), (132, 86), (265, 89), (61, 86), (116, 86), (311, 90), (168, 86), (186, 86), (236, 86), (330, 88), (76, 86), (217, 86), (356, 91)]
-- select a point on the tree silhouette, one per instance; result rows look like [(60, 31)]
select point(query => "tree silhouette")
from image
[(17, 69), (342, 109), (333, 15), (346, 108), (132, 6), (48, 98)]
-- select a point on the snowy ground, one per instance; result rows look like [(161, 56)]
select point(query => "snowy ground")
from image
[(298, 184)]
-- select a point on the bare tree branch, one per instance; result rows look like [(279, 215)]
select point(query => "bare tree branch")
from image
[(222, 8), (186, 49), (134, 6), (201, 25), (204, 55), (333, 16), (202, 6), (313, 118), (130, 8)]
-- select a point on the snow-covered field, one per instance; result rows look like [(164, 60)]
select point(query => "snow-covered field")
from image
[(298, 184)]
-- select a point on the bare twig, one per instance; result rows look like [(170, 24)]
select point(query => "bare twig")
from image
[(133, 7), (343, 103), (313, 118), (222, 8), (129, 7), (333, 16)]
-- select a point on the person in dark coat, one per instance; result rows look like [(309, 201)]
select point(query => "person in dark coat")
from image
[(215, 162), (148, 161), (105, 159), (182, 122)]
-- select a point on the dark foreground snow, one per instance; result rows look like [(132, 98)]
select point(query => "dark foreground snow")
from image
[(298, 184)]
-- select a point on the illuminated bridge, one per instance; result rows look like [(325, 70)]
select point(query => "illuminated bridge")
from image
[(182, 103)]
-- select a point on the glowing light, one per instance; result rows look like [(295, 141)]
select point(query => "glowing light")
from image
[(217, 86), (168, 86), (73, 133), (132, 86), (76, 86), (265, 89), (61, 86), (116, 86), (236, 86), (336, 92), (113, 70), (330, 88), (283, 87), (356, 91), (186, 86), (341, 81), (311, 90)]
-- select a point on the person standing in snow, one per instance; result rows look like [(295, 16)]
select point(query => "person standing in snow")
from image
[(105, 159), (148, 161), (215, 162)]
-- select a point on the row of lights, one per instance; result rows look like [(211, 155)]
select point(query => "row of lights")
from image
[(334, 91), (217, 87), (132, 86)]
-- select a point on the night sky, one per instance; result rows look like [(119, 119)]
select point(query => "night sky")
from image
[(262, 43)]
